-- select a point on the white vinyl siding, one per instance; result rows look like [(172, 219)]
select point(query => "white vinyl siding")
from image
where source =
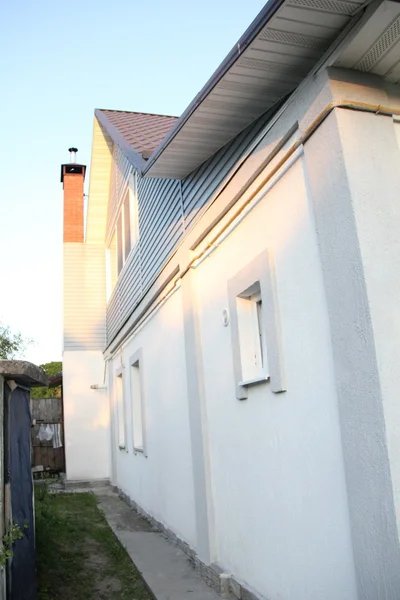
[(100, 173), (84, 296)]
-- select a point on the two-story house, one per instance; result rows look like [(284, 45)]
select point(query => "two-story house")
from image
[(231, 308)]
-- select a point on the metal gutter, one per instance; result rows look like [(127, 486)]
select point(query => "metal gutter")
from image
[(247, 38)]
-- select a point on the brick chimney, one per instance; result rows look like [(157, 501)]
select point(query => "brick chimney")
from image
[(72, 178)]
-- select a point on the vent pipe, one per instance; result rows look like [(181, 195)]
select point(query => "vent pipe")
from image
[(72, 153)]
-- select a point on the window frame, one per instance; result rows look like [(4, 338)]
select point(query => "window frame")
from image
[(251, 332), (118, 231), (133, 211), (257, 277), (136, 361), (121, 410), (111, 265)]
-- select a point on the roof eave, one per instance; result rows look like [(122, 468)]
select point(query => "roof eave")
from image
[(134, 157), (247, 38)]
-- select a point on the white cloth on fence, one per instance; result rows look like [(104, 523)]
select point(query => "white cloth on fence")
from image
[(57, 443), (50, 431), (45, 433)]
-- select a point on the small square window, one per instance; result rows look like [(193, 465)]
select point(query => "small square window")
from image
[(255, 326), (253, 354)]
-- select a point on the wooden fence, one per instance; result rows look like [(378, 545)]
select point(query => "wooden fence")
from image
[(47, 411)]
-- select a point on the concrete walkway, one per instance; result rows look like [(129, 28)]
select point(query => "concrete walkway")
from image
[(164, 567)]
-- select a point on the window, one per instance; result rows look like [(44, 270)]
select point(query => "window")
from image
[(125, 234), (120, 410), (253, 353), (255, 327), (127, 225), (137, 403), (120, 241), (111, 262)]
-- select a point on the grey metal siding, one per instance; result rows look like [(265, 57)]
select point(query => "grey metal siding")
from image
[(160, 227), (166, 208), (130, 285), (126, 294), (160, 223), (113, 315), (200, 185)]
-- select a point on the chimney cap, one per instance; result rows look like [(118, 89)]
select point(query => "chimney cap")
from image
[(72, 169)]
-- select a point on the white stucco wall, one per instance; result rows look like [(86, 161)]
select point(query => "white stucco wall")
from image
[(298, 486), (372, 158), (86, 416), (279, 500), (162, 482), (281, 514), (352, 178)]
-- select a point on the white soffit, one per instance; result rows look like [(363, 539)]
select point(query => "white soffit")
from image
[(272, 66), (376, 47)]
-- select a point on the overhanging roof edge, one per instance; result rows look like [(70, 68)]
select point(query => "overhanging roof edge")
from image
[(134, 157), (247, 38)]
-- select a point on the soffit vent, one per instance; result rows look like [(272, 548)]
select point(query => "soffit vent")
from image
[(384, 43), (274, 67), (332, 6), (293, 39)]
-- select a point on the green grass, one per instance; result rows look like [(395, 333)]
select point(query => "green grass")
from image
[(78, 556)]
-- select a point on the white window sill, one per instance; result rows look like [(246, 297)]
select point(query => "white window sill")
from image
[(140, 451), (254, 381)]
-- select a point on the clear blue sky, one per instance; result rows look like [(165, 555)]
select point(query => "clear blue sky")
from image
[(59, 61)]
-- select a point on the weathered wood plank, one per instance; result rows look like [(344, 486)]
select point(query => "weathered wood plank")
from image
[(47, 411)]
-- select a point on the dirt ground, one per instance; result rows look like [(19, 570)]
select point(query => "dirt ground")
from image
[(78, 556)]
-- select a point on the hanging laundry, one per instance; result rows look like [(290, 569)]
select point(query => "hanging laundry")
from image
[(57, 443), (45, 433)]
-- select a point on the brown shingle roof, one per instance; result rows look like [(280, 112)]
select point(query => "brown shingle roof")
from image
[(142, 131)]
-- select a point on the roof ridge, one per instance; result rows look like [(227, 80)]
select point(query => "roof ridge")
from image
[(135, 112)]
